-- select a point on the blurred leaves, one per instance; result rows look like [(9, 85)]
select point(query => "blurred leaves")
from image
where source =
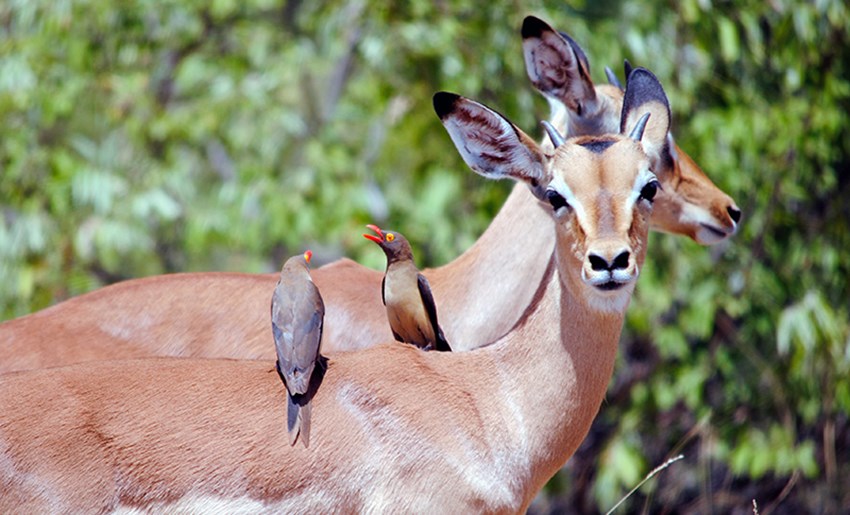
[(622, 465), (758, 453), (812, 326)]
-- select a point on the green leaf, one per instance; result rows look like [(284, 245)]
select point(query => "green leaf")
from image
[(728, 35)]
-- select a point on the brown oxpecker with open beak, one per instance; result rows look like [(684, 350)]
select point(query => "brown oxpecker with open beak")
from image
[(407, 294), (297, 316)]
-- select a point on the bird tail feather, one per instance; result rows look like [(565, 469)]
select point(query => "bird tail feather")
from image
[(304, 415), (293, 419)]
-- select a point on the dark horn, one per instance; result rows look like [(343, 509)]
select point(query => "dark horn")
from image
[(553, 133), (637, 132), (612, 78)]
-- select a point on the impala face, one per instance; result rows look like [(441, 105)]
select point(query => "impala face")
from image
[(601, 193), (688, 202), (601, 188)]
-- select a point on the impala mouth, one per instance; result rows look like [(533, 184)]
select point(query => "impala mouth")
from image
[(711, 234), (717, 232), (609, 281), (709, 229), (610, 285)]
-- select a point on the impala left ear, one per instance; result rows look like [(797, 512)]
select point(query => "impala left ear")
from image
[(490, 144), (557, 66), (644, 95)]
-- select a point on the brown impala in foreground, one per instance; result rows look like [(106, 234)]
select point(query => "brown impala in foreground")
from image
[(395, 429)]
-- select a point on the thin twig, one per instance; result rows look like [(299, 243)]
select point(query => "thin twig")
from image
[(784, 493), (649, 476)]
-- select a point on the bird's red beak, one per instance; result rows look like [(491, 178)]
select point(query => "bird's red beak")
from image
[(308, 256), (377, 239)]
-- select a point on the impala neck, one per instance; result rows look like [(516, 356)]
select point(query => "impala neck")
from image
[(483, 293), (553, 371)]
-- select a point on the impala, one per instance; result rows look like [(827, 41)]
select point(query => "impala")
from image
[(394, 429), (223, 314), (559, 69)]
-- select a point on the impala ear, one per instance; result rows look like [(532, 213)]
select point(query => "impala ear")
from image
[(490, 144), (557, 66), (644, 95)]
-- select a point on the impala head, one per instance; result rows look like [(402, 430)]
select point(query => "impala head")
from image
[(689, 203), (600, 188)]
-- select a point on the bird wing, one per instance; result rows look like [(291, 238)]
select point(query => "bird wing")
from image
[(297, 320), (383, 295), (431, 308), (308, 327), (442, 344), (280, 328)]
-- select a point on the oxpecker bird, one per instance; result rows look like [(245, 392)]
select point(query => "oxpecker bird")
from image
[(297, 316), (407, 294)]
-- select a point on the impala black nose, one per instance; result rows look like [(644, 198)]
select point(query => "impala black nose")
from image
[(599, 264), (734, 212)]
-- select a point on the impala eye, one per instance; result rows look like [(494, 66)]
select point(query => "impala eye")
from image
[(648, 192), (556, 199)]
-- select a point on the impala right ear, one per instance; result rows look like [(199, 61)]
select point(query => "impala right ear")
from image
[(490, 144), (644, 94), (557, 66)]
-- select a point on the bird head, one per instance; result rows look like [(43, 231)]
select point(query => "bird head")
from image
[(297, 262), (394, 245)]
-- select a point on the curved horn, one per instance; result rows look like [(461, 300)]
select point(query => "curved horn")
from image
[(612, 78), (553, 133), (637, 132)]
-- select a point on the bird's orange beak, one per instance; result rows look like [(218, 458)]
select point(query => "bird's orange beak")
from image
[(308, 256), (377, 239)]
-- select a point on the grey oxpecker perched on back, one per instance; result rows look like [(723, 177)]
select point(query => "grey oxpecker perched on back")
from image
[(297, 315)]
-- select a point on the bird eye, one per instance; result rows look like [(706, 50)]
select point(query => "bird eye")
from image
[(390, 236), (556, 200), (648, 192)]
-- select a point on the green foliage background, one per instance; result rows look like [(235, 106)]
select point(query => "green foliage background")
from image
[(140, 138)]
